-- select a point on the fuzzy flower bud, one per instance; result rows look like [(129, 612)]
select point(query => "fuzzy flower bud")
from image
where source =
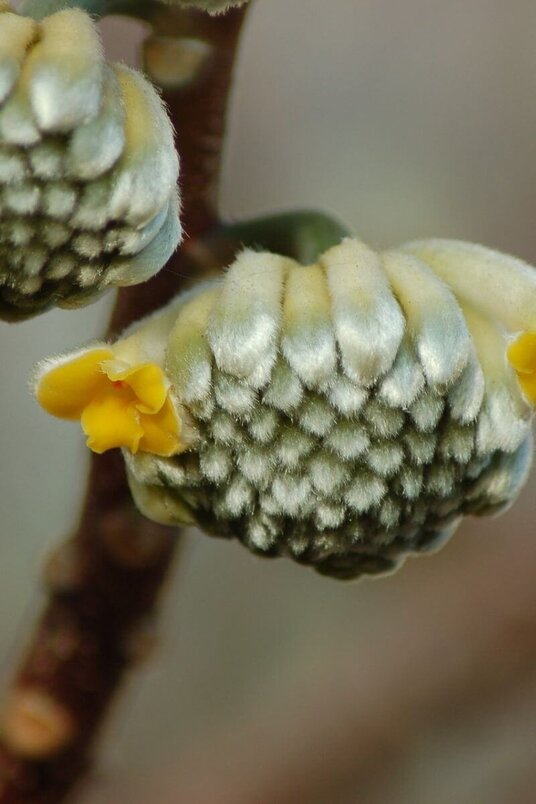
[(88, 168), (345, 413)]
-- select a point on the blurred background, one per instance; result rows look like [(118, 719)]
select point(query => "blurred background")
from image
[(271, 684)]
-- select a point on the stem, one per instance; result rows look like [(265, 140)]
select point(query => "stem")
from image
[(104, 581), (301, 235)]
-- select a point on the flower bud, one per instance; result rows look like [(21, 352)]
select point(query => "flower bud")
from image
[(345, 413), (88, 168)]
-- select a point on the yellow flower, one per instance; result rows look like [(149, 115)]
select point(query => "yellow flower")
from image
[(118, 404), (522, 356)]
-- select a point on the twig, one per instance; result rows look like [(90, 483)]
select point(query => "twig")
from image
[(104, 582)]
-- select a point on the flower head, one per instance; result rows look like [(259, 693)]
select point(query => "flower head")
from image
[(88, 168), (118, 404), (349, 412)]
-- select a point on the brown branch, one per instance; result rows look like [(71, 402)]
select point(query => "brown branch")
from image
[(104, 581)]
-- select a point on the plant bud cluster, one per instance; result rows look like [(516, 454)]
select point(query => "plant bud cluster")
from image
[(350, 412), (88, 168)]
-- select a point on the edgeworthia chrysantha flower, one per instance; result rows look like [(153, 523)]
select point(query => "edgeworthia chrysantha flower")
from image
[(345, 413), (88, 168)]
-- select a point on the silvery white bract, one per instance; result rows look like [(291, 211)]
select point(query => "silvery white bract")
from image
[(88, 168), (346, 413)]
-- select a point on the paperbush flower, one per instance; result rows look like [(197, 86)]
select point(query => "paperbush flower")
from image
[(120, 393), (88, 168), (345, 413), (118, 404)]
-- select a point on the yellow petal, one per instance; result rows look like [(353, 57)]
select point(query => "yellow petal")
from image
[(161, 432), (522, 353), (147, 382), (65, 390), (110, 420)]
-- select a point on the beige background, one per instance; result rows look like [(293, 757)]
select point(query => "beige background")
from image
[(408, 119)]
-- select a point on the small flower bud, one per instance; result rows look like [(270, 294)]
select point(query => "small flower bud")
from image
[(345, 413), (88, 168)]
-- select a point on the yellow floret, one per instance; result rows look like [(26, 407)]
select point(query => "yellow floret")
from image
[(119, 405), (522, 356)]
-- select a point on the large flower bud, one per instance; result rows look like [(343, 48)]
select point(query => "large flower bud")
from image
[(88, 168), (345, 413)]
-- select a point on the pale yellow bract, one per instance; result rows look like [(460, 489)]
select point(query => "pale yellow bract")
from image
[(118, 404)]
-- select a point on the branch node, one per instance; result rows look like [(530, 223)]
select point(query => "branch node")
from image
[(36, 726)]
